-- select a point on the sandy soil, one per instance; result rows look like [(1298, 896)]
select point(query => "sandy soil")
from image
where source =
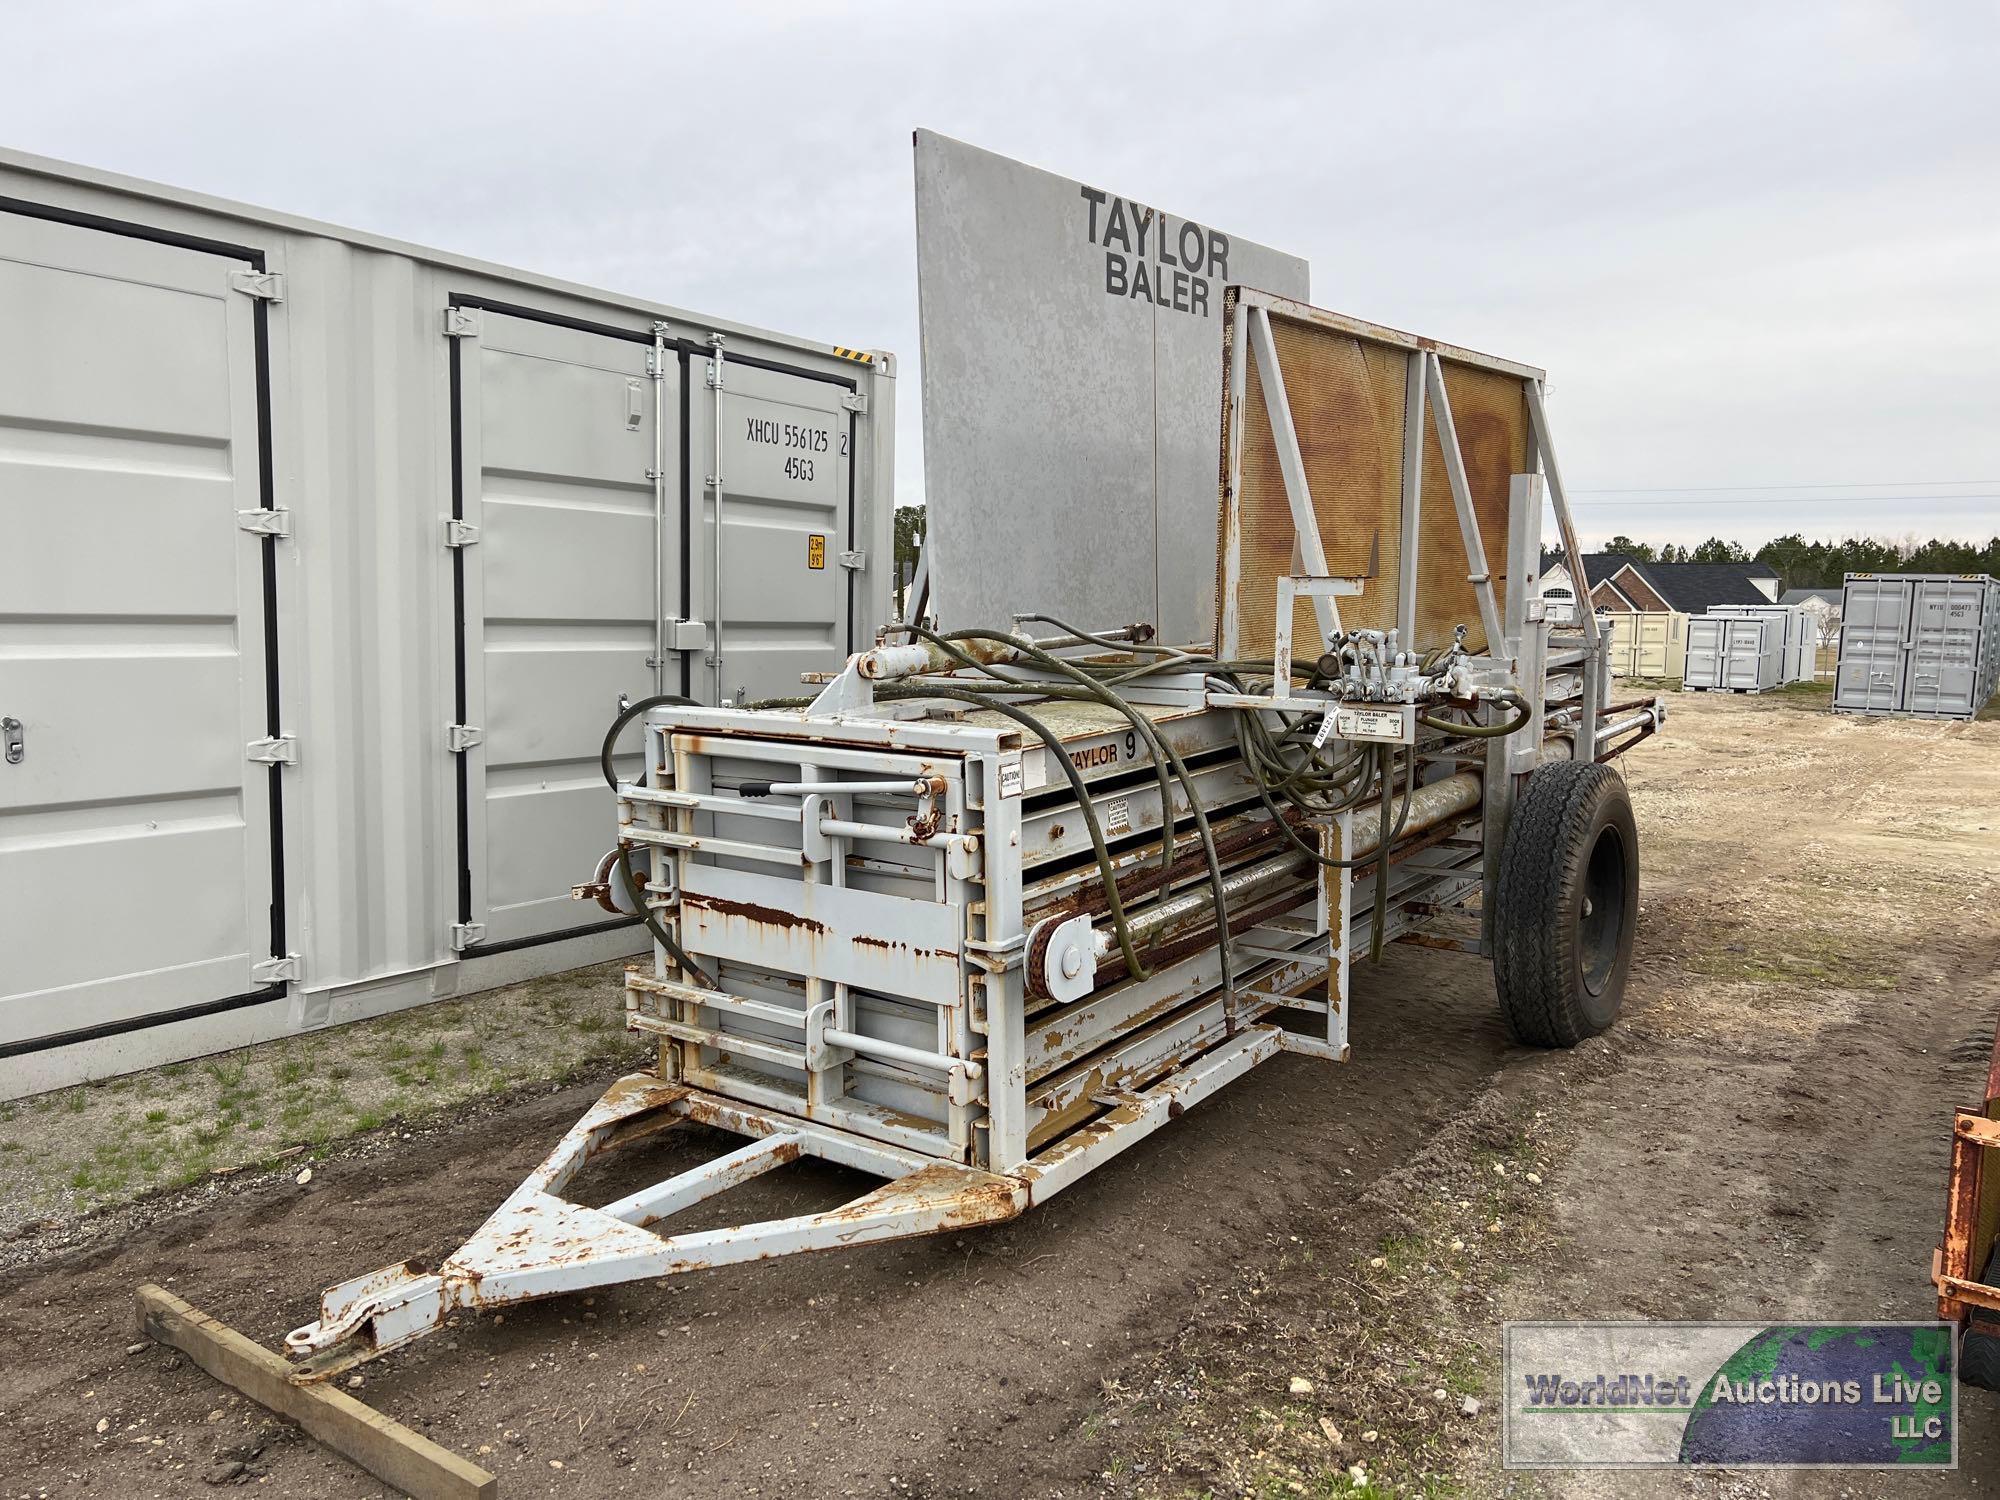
[(1763, 1137)]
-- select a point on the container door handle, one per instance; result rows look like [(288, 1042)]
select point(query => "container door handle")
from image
[(16, 740)]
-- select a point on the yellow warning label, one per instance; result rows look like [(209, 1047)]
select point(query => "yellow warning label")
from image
[(815, 550)]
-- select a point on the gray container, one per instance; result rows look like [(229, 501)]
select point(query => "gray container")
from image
[(1925, 645), (327, 559), (1733, 654), (1798, 643)]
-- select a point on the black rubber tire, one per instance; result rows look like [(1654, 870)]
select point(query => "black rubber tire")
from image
[(1561, 973), (1979, 1350), (1979, 1358)]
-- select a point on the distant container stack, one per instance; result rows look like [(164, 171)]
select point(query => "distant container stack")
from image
[(1734, 654), (1798, 641), (1646, 643), (1924, 645)]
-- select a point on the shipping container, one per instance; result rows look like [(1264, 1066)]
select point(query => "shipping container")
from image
[(1798, 648), (1923, 644), (328, 560), (1647, 643), (1733, 654)]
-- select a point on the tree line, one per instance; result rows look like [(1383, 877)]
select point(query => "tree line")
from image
[(1801, 564)]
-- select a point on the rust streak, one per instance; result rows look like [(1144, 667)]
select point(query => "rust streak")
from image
[(751, 911)]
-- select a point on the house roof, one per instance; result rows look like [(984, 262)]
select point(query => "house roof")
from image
[(1688, 587), (1800, 596)]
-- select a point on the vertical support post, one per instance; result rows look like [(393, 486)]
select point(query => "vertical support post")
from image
[(1526, 632), (1477, 573), (1281, 637), (656, 366), (1291, 464), (1413, 497), (1336, 915), (715, 379), (1514, 756), (1004, 986), (1228, 609), (1596, 662)]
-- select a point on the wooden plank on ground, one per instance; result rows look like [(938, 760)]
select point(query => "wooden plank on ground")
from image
[(384, 1447)]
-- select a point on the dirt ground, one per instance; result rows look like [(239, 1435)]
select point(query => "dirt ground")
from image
[(1302, 1280)]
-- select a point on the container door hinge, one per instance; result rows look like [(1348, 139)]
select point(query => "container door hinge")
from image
[(274, 522), (461, 322), (460, 533), (276, 970), (459, 738), (715, 362), (466, 935), (279, 750), (265, 286), (854, 560), (855, 401)]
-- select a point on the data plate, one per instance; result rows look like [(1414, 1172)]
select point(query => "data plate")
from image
[(1376, 723)]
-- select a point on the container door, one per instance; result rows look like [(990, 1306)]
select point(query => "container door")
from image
[(1704, 654), (1747, 653), (137, 836), (554, 449), (787, 499), (1944, 646), (1874, 626)]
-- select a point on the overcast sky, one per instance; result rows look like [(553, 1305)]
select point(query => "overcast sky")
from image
[(1756, 247)]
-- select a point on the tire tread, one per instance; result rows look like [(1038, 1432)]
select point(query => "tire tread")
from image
[(1542, 859)]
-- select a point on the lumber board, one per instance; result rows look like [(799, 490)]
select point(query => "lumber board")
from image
[(381, 1445)]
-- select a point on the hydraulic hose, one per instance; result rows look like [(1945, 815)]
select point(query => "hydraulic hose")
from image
[(1164, 757), (634, 887)]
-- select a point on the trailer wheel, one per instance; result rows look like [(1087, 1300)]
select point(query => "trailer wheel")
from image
[(1566, 905), (1979, 1350)]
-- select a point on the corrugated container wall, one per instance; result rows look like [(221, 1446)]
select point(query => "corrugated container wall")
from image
[(1647, 643), (327, 562), (1799, 646), (1733, 654), (1923, 644)]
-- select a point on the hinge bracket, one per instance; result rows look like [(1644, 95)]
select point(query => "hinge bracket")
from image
[(715, 362), (273, 522), (277, 970), (279, 750), (461, 322), (854, 560), (855, 401), (265, 286), (459, 533), (466, 934), (459, 738)]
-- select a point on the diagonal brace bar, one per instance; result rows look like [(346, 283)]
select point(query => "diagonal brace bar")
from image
[(1461, 494), (1291, 466)]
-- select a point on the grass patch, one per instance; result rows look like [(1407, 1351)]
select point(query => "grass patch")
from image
[(82, 1148)]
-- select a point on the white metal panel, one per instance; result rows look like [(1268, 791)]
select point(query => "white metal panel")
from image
[(1946, 621), (556, 444), (1874, 627), (359, 404), (1072, 351), (786, 476), (132, 642), (1707, 651)]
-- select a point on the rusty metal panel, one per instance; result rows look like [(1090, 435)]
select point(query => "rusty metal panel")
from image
[(1345, 386), (1490, 409), (849, 936), (1346, 399)]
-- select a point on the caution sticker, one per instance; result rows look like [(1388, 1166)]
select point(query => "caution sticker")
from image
[(816, 551)]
